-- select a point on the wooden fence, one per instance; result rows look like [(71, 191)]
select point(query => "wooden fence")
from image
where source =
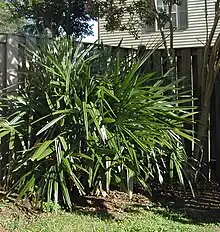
[(189, 64)]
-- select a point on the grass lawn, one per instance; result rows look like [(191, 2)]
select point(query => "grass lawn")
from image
[(141, 220)]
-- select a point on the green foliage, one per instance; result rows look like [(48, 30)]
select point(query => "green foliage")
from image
[(48, 207), (7, 23), (85, 120)]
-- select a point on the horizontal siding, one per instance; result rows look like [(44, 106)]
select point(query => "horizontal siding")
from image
[(194, 36)]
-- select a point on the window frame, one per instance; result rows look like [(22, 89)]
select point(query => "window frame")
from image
[(178, 11), (173, 12)]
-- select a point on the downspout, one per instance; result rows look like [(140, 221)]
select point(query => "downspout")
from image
[(206, 21), (99, 38)]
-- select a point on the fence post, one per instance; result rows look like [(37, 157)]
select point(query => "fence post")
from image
[(12, 60), (3, 69)]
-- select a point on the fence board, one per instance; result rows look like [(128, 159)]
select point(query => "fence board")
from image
[(156, 67), (2, 65), (186, 71), (215, 132)]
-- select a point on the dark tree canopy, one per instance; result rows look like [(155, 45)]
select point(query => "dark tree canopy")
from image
[(60, 16)]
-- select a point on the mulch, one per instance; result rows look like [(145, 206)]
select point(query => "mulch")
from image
[(113, 204)]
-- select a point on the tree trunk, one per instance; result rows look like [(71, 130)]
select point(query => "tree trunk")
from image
[(211, 67)]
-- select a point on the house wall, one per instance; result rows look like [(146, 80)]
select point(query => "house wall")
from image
[(193, 36)]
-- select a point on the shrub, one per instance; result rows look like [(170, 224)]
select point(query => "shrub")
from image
[(85, 119)]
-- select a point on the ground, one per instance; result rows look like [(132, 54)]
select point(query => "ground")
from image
[(169, 210)]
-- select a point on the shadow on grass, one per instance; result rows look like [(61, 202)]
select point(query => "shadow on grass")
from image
[(204, 208), (185, 218)]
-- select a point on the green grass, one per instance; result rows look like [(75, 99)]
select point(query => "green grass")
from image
[(80, 222)]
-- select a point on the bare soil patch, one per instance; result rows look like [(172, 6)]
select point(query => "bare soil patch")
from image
[(113, 204)]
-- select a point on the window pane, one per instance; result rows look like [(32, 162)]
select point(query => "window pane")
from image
[(174, 19), (167, 25), (182, 15), (159, 3), (165, 8), (174, 8)]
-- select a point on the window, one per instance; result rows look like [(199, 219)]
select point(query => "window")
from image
[(179, 16), (163, 7)]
